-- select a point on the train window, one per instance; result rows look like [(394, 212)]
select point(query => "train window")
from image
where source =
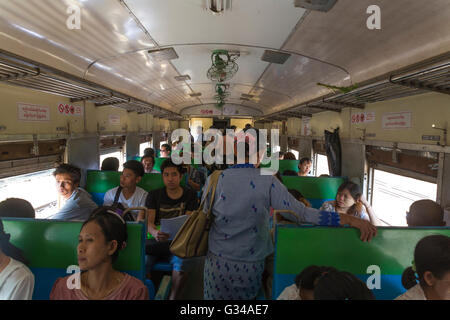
[(321, 165), (116, 154), (393, 194), (144, 146), (38, 188), (296, 153)]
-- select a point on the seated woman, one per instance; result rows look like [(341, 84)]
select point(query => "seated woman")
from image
[(305, 281), (16, 280), (432, 266), (350, 200), (341, 285), (101, 238)]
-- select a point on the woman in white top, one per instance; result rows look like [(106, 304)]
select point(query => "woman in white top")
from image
[(432, 266), (350, 200), (16, 280)]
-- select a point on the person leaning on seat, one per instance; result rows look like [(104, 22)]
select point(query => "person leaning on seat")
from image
[(101, 238), (78, 203), (239, 237)]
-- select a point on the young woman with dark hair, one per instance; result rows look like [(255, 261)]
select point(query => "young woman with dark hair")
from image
[(305, 282), (432, 266), (350, 200), (101, 238), (16, 280)]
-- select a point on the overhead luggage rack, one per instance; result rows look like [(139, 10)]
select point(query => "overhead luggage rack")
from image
[(430, 78), (16, 71), (436, 78)]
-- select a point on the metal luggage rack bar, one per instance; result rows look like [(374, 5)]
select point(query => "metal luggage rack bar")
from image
[(17, 71), (434, 78)]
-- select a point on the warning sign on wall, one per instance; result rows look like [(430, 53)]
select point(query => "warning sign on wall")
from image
[(70, 110), (396, 120), (114, 119), (32, 112), (363, 117)]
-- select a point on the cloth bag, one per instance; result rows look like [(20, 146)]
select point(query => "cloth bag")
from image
[(192, 238)]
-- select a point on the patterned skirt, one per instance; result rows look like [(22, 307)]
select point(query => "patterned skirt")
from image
[(226, 279)]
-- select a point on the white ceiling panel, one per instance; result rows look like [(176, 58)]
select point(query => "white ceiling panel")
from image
[(411, 31), (36, 29), (264, 23)]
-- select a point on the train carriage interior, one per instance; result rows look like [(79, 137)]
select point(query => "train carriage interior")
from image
[(360, 89)]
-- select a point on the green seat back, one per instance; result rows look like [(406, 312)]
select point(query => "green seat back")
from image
[(51, 247), (392, 250), (316, 190)]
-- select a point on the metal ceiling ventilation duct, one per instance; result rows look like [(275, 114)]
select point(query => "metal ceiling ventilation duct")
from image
[(275, 57), (218, 7), (183, 77), (316, 5), (163, 54)]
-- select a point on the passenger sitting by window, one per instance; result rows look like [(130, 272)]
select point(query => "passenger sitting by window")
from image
[(351, 201), (101, 238), (16, 280), (289, 156), (165, 203), (110, 164), (341, 285), (128, 193), (78, 203), (432, 266), (165, 151), (305, 281), (148, 161), (425, 213), (304, 167), (16, 208)]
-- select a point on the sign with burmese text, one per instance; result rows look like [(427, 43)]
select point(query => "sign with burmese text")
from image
[(396, 120), (33, 112)]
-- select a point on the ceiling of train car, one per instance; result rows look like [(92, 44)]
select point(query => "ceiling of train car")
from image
[(335, 48)]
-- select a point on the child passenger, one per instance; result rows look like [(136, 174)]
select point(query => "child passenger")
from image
[(431, 267), (101, 238)]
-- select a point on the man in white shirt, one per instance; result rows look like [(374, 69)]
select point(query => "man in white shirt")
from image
[(16, 280), (130, 194)]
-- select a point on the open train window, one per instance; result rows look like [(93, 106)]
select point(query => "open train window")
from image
[(321, 165), (38, 188), (145, 142), (112, 147), (393, 194), (397, 178)]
